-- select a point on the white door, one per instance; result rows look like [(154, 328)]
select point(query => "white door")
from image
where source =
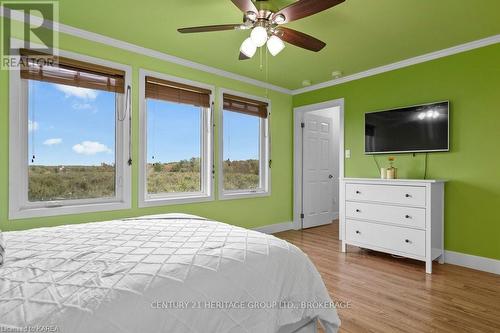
[(318, 171)]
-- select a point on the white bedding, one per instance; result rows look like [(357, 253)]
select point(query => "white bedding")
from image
[(161, 273)]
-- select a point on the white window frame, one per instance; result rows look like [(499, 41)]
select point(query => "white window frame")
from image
[(264, 152), (19, 205), (207, 165)]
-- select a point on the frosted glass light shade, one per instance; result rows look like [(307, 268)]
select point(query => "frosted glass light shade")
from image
[(248, 47), (275, 45), (259, 36)]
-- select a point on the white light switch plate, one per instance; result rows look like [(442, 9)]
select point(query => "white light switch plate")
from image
[(347, 153)]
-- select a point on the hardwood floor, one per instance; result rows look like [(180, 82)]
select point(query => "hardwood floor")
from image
[(389, 294)]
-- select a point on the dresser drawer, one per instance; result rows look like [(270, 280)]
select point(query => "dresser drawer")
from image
[(393, 194), (405, 240), (403, 216)]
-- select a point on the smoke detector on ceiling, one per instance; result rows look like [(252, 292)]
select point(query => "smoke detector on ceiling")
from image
[(337, 74)]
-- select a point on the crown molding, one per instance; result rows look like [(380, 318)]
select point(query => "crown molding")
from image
[(98, 38), (404, 63)]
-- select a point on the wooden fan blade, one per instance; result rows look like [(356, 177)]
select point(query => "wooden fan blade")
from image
[(245, 6), (301, 39), (304, 8), (210, 28), (243, 56)]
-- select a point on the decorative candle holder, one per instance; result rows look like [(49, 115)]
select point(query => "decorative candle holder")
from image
[(392, 173)]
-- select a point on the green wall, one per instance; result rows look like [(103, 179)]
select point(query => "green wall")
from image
[(243, 212), (471, 82)]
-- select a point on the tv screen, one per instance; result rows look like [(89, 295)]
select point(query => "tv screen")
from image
[(422, 128)]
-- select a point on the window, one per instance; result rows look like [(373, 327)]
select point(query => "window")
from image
[(244, 154), (71, 143), (69, 137), (176, 157)]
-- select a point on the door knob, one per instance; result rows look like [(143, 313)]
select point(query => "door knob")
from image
[(330, 176)]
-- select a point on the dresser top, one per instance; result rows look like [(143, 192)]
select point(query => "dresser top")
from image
[(392, 181)]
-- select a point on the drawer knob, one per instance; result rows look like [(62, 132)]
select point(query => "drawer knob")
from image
[(358, 232), (358, 211), (357, 192), (407, 216), (407, 241), (407, 195)]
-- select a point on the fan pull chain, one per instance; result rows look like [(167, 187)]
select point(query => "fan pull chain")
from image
[(260, 55), (268, 114), (267, 74)]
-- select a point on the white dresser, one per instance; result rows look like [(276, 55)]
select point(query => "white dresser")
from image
[(402, 217)]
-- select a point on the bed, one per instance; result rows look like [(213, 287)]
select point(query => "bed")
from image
[(164, 273)]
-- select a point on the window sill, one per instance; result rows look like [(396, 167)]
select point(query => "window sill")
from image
[(32, 212), (174, 200), (243, 195)]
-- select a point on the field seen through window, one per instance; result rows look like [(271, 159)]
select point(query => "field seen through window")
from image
[(49, 183)]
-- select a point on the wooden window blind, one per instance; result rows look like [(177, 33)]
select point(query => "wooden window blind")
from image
[(70, 72), (245, 105), (177, 92)]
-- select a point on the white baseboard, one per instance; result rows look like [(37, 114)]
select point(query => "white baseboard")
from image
[(274, 228), (450, 257), (474, 262)]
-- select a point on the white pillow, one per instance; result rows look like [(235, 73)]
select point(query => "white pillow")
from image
[(2, 249)]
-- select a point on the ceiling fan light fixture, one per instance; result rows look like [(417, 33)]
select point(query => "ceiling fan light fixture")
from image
[(259, 36), (275, 45), (337, 74), (279, 19), (248, 47), (252, 16)]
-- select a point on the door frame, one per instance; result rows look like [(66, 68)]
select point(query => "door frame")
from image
[(298, 116)]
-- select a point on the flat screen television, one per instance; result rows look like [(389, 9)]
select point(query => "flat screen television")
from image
[(412, 129)]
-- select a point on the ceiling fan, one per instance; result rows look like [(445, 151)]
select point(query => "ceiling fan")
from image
[(267, 25)]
